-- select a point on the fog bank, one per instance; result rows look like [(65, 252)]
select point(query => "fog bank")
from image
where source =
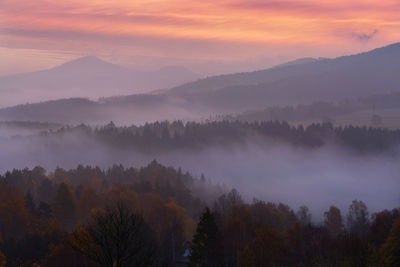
[(317, 178)]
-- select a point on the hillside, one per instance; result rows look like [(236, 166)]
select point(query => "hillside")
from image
[(373, 72), (88, 77), (301, 82)]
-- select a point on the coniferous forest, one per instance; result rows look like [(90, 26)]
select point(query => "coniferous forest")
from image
[(167, 136)]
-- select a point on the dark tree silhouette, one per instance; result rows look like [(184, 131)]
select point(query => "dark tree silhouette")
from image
[(117, 237), (206, 245)]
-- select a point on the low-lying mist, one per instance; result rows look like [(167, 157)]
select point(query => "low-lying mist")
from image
[(317, 178), (275, 172)]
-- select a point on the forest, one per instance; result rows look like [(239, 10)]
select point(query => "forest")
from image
[(321, 110), (160, 216), (176, 135)]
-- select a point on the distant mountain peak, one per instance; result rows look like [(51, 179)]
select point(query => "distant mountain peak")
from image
[(91, 59), (86, 62)]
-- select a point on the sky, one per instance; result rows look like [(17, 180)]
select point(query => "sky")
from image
[(207, 36)]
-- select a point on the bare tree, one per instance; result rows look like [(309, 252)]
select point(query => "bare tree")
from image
[(117, 237)]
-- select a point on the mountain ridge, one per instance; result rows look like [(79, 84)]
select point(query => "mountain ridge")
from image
[(88, 77), (362, 74), (330, 80)]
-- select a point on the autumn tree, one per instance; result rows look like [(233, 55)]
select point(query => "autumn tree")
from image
[(207, 247), (88, 200), (117, 237), (391, 248), (333, 221), (380, 226), (13, 213)]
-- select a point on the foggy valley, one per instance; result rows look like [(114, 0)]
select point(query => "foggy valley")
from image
[(199, 133), (267, 168)]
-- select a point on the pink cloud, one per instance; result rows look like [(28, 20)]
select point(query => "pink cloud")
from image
[(200, 29)]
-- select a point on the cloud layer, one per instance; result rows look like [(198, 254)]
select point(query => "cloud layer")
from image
[(222, 30)]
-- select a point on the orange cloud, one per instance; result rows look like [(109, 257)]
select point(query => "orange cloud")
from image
[(157, 26)]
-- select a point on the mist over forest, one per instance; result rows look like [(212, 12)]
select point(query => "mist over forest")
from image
[(302, 158), (315, 171)]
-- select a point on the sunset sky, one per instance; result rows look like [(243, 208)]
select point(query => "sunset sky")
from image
[(37, 34)]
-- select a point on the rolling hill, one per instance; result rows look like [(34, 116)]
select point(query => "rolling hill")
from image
[(373, 72), (302, 82), (88, 77)]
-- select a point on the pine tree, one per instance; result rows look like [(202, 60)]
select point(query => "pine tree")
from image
[(206, 245)]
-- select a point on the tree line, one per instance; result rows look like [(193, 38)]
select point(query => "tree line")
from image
[(168, 136), (160, 216), (320, 110)]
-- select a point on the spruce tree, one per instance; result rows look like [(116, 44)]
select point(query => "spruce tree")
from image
[(206, 244)]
